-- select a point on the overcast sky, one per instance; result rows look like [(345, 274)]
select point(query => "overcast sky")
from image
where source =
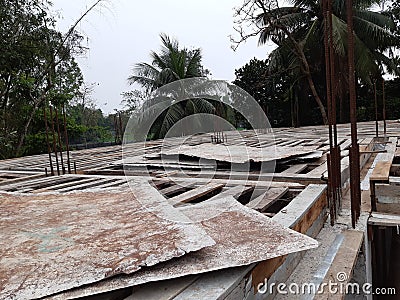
[(123, 32)]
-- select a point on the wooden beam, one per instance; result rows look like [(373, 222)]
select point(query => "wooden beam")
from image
[(175, 189), (381, 171), (295, 169), (387, 193), (235, 192), (196, 193), (343, 264), (381, 219), (262, 201)]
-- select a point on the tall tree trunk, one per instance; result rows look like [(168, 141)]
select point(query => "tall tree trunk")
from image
[(25, 131), (306, 70), (37, 102), (317, 99)]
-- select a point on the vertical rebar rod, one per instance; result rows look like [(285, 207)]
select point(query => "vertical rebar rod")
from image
[(336, 167), (66, 138), (47, 139), (354, 153), (330, 190), (327, 69), (115, 129), (120, 127), (333, 159), (59, 140), (384, 107), (332, 73), (54, 139), (336, 150), (376, 111)]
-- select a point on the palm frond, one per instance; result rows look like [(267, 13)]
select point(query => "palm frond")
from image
[(374, 35), (201, 105), (173, 115), (379, 19), (339, 36)]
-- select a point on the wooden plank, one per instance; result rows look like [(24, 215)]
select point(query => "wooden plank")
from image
[(343, 263), (345, 145), (86, 185), (61, 185), (170, 289), (299, 215), (318, 171), (43, 184), (262, 201), (295, 169), (21, 179), (24, 184), (235, 192), (264, 270), (381, 171), (387, 193), (116, 183), (220, 283), (196, 193), (176, 188), (384, 219)]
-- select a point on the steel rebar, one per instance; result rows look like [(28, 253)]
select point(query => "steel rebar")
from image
[(54, 139), (47, 139), (59, 140), (354, 151), (66, 139)]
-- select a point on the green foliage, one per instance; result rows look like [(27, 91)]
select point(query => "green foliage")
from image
[(172, 63), (277, 94), (298, 32), (273, 93), (366, 101), (36, 66)]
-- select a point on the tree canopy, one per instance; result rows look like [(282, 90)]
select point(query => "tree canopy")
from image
[(172, 63), (298, 32), (37, 69)]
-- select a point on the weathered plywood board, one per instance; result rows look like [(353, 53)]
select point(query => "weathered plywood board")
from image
[(343, 264), (53, 242), (387, 193), (381, 171), (239, 153), (243, 236), (262, 201), (196, 193)]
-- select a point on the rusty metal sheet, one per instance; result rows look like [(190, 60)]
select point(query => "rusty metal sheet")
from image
[(239, 153), (54, 242), (243, 236)]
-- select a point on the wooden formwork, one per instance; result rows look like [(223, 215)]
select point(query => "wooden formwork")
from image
[(294, 194)]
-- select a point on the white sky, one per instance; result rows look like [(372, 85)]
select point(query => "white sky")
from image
[(123, 32)]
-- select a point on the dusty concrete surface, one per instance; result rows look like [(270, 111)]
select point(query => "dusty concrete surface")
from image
[(313, 263)]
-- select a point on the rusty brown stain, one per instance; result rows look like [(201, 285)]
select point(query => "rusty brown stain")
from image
[(311, 215), (265, 269), (242, 236), (52, 243)]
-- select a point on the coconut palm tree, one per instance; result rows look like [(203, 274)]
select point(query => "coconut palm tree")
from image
[(298, 30), (171, 64)]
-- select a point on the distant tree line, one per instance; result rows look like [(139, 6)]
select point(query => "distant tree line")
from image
[(287, 108), (292, 79), (42, 90), (40, 77)]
